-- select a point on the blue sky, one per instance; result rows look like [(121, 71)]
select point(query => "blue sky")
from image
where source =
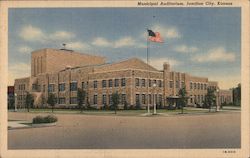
[(201, 41)]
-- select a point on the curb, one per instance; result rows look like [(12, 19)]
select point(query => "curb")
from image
[(34, 126)]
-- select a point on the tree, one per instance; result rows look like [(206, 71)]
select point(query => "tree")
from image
[(51, 100), (29, 101), (183, 98), (115, 101), (210, 98), (80, 98), (237, 95)]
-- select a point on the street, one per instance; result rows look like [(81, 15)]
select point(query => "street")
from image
[(73, 131)]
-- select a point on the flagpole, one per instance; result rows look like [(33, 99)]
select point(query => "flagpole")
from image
[(148, 72)]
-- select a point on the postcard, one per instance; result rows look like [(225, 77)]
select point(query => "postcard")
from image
[(124, 78)]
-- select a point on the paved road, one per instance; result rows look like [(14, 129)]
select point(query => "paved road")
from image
[(128, 132)]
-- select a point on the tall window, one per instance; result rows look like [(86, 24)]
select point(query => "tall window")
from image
[(61, 101), (95, 84), (143, 84), (194, 85), (104, 83), (116, 82), (123, 82), (201, 86), (177, 84), (205, 86), (110, 83), (51, 88), (182, 84), (123, 98), (160, 99), (149, 83), (198, 85), (61, 87), (95, 99), (73, 100), (137, 98), (149, 99), (137, 82), (73, 86), (83, 85), (171, 84), (191, 99), (160, 83), (104, 99), (143, 99), (191, 85), (110, 99)]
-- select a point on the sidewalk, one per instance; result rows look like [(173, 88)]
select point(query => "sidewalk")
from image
[(17, 124)]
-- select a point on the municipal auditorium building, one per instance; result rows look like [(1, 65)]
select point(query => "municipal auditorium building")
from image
[(62, 72)]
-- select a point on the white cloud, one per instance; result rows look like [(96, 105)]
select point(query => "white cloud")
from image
[(124, 42), (158, 62), (59, 35), (215, 55), (102, 42), (167, 32), (18, 70), (77, 45), (185, 49), (25, 49), (31, 33), (121, 42)]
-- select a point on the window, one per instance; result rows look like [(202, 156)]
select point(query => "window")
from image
[(150, 99), (191, 85), (95, 99), (34, 87), (143, 99), (104, 99), (95, 84), (195, 100), (104, 83), (149, 83), (116, 82), (110, 99), (123, 82), (202, 98), (194, 85), (198, 85), (143, 84), (73, 100), (154, 81), (201, 86), (61, 101), (171, 84), (110, 83), (73, 86), (137, 82), (160, 99), (177, 84), (61, 87), (83, 85), (199, 99), (205, 86), (123, 98), (137, 96), (160, 83), (182, 84), (51, 88), (191, 99)]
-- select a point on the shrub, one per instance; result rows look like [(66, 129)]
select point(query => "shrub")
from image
[(44, 119)]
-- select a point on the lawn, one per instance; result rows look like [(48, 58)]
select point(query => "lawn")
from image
[(119, 112)]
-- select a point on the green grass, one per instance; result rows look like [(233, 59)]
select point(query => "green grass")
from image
[(119, 112)]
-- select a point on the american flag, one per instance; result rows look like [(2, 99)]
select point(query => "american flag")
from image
[(154, 36)]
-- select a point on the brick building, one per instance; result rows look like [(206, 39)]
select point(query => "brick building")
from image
[(63, 71)]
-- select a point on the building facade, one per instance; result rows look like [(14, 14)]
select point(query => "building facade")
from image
[(63, 71)]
